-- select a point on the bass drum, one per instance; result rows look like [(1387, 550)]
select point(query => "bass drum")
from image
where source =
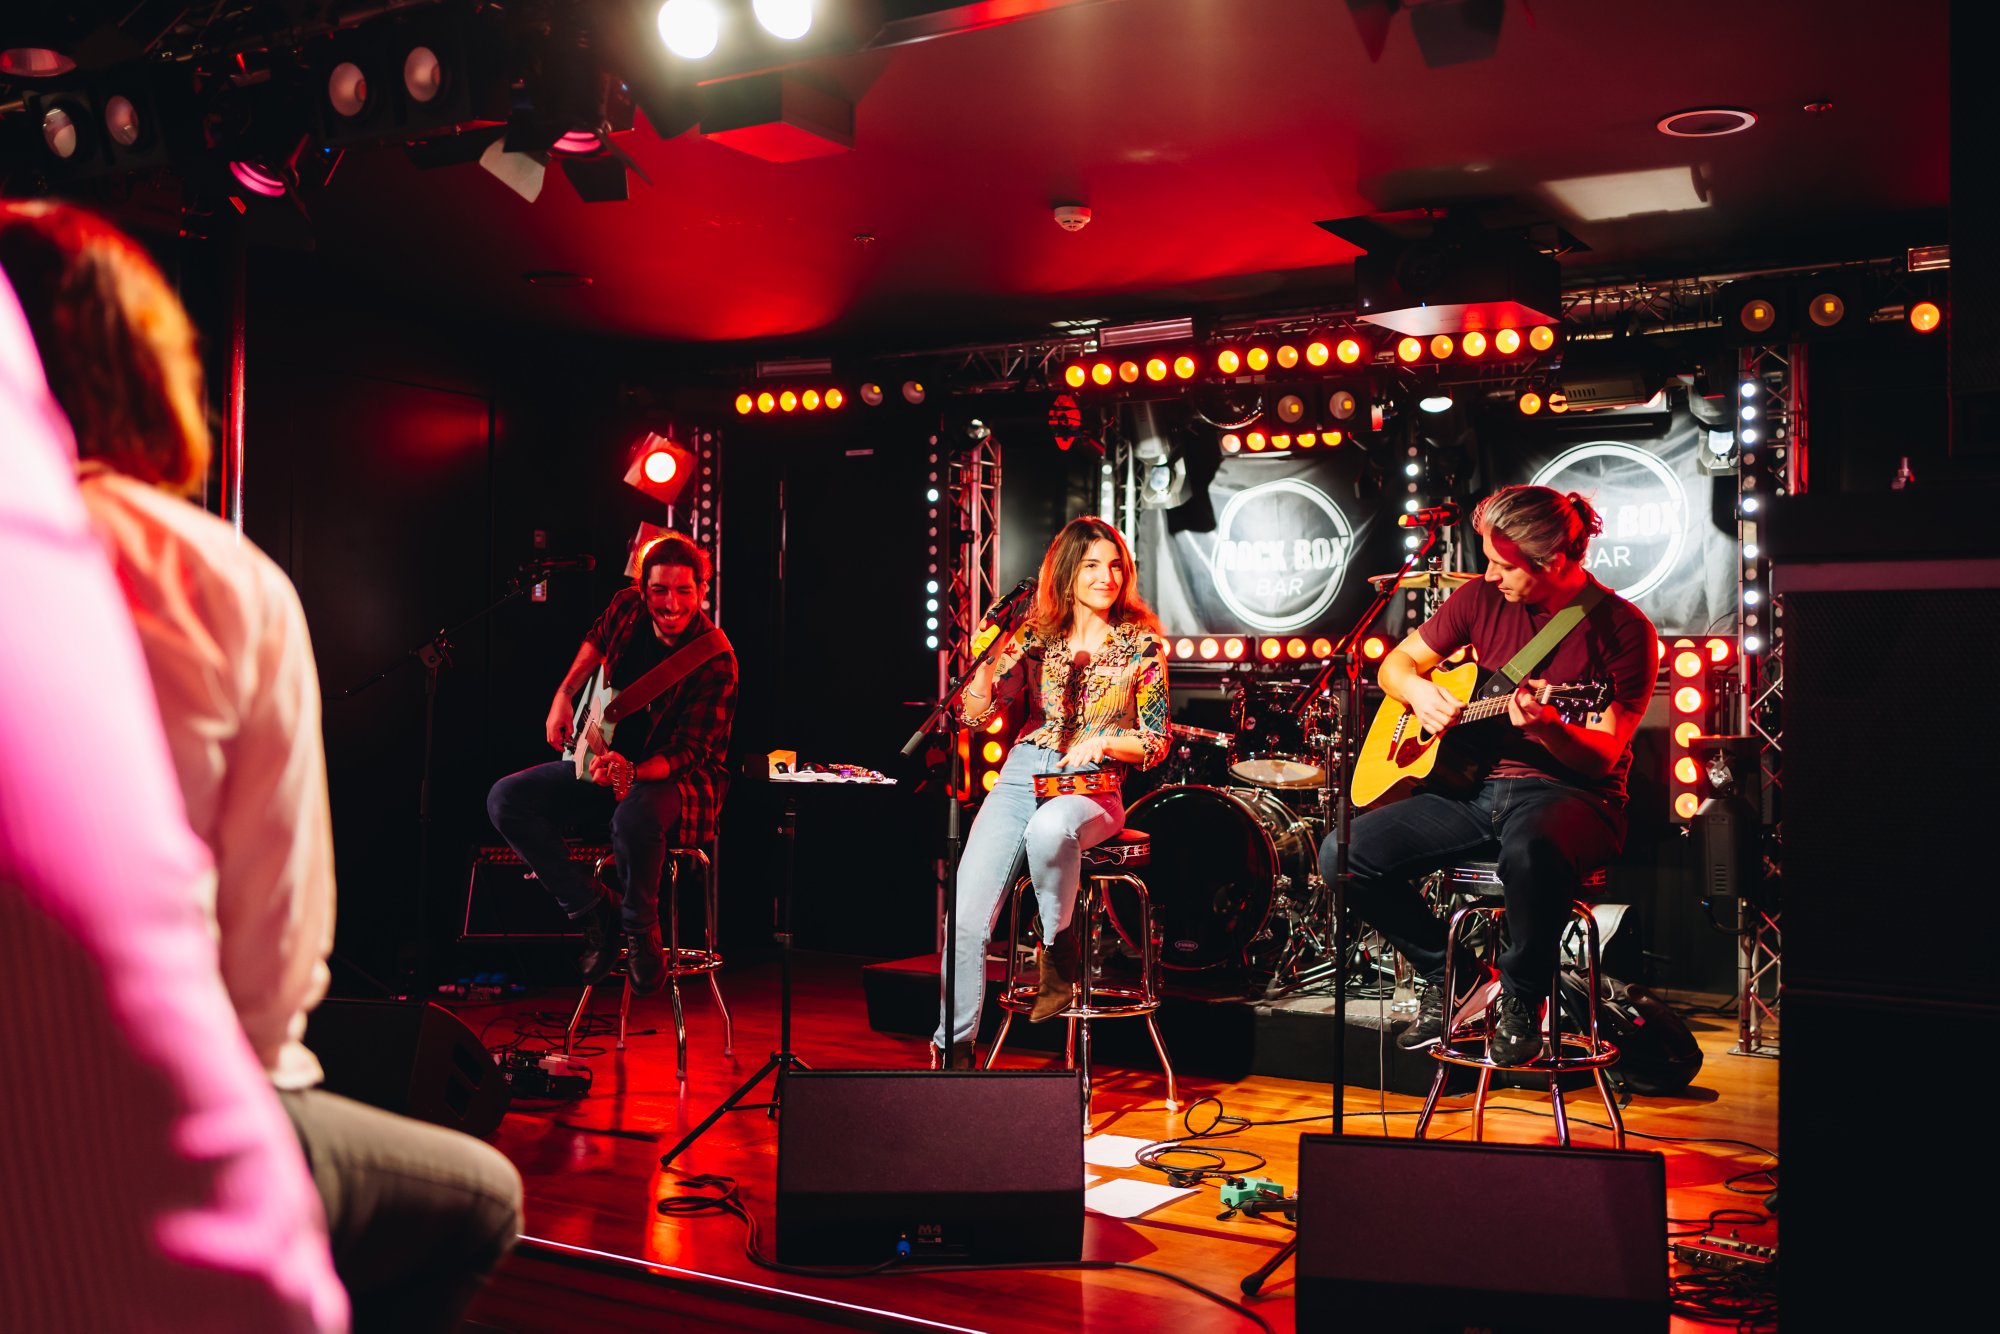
[(1220, 856)]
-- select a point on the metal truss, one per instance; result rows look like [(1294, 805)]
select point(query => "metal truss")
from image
[(1759, 968)]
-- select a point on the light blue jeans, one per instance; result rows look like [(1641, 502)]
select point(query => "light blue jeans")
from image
[(1054, 833)]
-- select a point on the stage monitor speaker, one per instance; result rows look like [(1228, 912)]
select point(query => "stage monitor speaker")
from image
[(1421, 1235), (982, 1166), (504, 901), (410, 1057)]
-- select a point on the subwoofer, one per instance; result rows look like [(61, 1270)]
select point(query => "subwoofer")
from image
[(946, 1165), (410, 1057), (1426, 1235)]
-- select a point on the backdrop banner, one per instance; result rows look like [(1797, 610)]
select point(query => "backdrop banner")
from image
[(1289, 554), (1661, 547)]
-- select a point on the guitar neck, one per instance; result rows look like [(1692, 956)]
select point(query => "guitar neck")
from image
[(1496, 705)]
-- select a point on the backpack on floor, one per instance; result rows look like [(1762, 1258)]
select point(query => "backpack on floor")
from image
[(1657, 1053)]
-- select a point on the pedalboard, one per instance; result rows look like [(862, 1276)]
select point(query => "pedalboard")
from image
[(1729, 1255)]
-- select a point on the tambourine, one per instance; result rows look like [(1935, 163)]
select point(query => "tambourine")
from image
[(1087, 784)]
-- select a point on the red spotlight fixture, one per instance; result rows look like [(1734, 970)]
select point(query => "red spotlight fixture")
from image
[(766, 401), (1270, 648), (1474, 344), (1257, 359), (1287, 356), (809, 400), (1925, 316), (1349, 351), (744, 404), (1156, 368), (787, 400), (1254, 441), (1441, 346), (1507, 342), (1075, 375), (659, 467), (1541, 338), (834, 400), (1322, 648), (1295, 648), (1374, 647), (1232, 648), (1228, 361), (1100, 374), (1318, 352), (1718, 649), (1184, 367), (1128, 371), (1687, 699), (1409, 349), (1530, 403), (1208, 647)]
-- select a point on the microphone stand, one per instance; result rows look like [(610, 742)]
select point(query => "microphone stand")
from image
[(435, 655), (954, 839)]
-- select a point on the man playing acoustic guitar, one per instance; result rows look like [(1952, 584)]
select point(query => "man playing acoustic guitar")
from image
[(1549, 793), (661, 775)]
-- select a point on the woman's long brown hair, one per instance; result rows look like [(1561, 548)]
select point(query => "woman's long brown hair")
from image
[(1052, 614), (116, 344)]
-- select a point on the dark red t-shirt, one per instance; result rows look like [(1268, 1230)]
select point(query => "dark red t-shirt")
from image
[(1615, 644)]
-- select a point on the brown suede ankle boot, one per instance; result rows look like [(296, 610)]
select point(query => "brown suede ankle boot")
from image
[(1058, 963), (960, 1057)]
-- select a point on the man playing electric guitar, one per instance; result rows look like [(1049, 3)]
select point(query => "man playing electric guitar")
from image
[(1552, 792), (661, 776)]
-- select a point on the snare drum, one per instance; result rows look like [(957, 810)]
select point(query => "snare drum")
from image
[(1274, 746), (1220, 857)]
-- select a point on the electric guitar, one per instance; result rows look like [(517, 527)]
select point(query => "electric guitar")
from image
[(591, 732), (1398, 757)]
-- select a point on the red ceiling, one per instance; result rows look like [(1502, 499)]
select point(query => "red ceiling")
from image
[(1207, 136)]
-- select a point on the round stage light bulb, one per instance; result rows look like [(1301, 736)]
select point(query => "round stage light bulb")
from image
[(1531, 403), (690, 28), (1156, 368), (1184, 367), (834, 399), (1474, 344), (1925, 316), (787, 401), (1257, 359), (660, 467), (871, 394), (1101, 373), (1435, 403), (1507, 342), (809, 400), (1288, 356), (913, 392), (121, 121), (1541, 338), (423, 74), (787, 20), (347, 89), (1227, 361), (59, 133), (1409, 349), (744, 403), (1317, 352), (766, 401), (1074, 375), (1349, 351), (1441, 346)]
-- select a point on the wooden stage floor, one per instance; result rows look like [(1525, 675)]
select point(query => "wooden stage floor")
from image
[(600, 1256)]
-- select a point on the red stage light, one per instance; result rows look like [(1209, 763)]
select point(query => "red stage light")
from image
[(1184, 648), (1441, 346), (1255, 441), (1257, 359), (1530, 403), (809, 400), (766, 401), (1128, 371), (1718, 650), (1349, 351), (1280, 440), (834, 400), (1295, 648), (1232, 648), (1075, 375), (1687, 700), (787, 400), (1307, 439), (1686, 804), (1541, 338), (1409, 349), (1687, 663), (992, 751), (1507, 342), (1374, 647), (1686, 732), (1474, 344), (1288, 356), (999, 722), (1184, 367), (1101, 373), (1332, 438), (1156, 368), (1322, 648), (660, 467), (744, 403), (988, 779), (1925, 316), (1207, 648), (1270, 648), (1317, 352), (1558, 402), (1686, 770), (1228, 362)]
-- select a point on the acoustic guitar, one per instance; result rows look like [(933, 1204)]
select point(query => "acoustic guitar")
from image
[(1398, 757)]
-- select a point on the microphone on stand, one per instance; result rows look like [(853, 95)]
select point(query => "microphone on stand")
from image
[(551, 564), (1435, 517), (999, 615)]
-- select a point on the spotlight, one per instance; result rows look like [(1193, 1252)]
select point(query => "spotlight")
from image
[(1101, 373), (690, 28), (659, 467), (787, 20), (787, 400), (1541, 338), (1558, 401), (1232, 443), (1341, 405), (1287, 356), (1128, 371), (65, 131), (871, 394), (1925, 316), (744, 403), (1757, 315), (1156, 368), (1290, 408), (834, 400), (1530, 403), (1184, 367), (1257, 359), (1318, 352), (1232, 648), (1507, 342), (913, 392), (1409, 349), (1474, 344), (1349, 351), (766, 401), (1435, 403), (809, 400), (1228, 361), (1441, 346), (1074, 375), (1827, 310)]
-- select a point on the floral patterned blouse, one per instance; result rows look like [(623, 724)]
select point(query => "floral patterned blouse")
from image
[(1122, 692)]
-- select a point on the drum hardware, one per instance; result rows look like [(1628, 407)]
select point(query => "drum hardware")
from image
[(1275, 725)]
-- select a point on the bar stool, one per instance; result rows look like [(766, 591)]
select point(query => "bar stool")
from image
[(1465, 1041), (1109, 863), (682, 961)]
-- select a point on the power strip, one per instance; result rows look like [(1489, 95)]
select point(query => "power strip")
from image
[(1729, 1255)]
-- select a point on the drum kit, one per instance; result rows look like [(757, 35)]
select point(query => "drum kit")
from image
[(1235, 876)]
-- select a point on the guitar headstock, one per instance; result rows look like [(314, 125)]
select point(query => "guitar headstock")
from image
[(1576, 699)]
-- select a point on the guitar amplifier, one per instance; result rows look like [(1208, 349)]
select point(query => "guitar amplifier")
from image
[(504, 901)]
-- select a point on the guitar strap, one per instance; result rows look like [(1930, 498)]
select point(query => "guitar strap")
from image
[(660, 678), (1536, 650)]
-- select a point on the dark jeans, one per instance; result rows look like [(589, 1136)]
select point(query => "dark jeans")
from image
[(533, 807), (1550, 836), (418, 1215)]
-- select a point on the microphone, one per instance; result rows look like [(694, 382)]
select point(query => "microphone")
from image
[(1435, 517), (999, 615), (550, 564)]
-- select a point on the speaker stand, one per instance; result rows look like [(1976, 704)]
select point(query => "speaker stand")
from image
[(783, 1060)]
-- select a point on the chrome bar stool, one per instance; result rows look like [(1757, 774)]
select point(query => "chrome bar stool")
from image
[(1109, 863), (1469, 1025), (682, 961)]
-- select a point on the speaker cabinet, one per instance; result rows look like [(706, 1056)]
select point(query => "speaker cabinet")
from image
[(960, 1165), (410, 1057), (1421, 1235), (504, 901)]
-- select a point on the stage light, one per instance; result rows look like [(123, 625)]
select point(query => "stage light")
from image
[(423, 75), (1751, 597), (34, 62), (1687, 663), (1541, 338), (1441, 346), (1331, 438), (347, 89), (1685, 805), (744, 403), (1749, 551), (1281, 440), (1228, 362), (1435, 403), (1322, 648), (809, 400), (1374, 647), (766, 401), (1748, 435), (871, 394), (1295, 648), (988, 779), (1184, 367), (913, 392), (63, 133), (659, 467), (1474, 344), (1255, 441), (1718, 650), (1156, 368), (1747, 389), (992, 751), (1507, 342), (1557, 401), (1257, 359), (258, 178), (1686, 770), (1341, 405), (1208, 648), (1752, 644), (1232, 648), (1289, 409), (1749, 412), (998, 725), (1349, 351), (1530, 403), (1686, 731), (1687, 700), (1101, 373), (787, 400), (1270, 648), (1307, 439), (1318, 352), (1232, 443), (835, 400), (1925, 316), (1827, 310), (1074, 375), (1757, 315), (1184, 648), (1409, 349), (787, 20), (1128, 371), (690, 28), (1749, 504)]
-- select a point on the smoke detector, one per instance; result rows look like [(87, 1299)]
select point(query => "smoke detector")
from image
[(1072, 217)]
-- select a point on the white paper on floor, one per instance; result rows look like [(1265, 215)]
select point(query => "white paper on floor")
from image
[(1113, 1150), (1130, 1199)]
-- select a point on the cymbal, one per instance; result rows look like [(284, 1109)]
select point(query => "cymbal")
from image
[(1187, 733), (1422, 579)]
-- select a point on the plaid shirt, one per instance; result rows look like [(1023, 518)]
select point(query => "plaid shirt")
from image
[(688, 723)]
